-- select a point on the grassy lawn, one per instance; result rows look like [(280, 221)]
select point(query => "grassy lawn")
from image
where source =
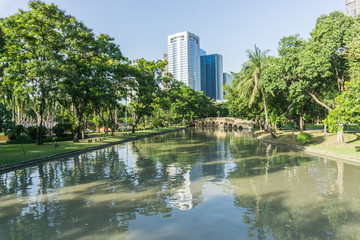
[(319, 142), (13, 153)]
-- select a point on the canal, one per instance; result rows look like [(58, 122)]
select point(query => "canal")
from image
[(192, 184)]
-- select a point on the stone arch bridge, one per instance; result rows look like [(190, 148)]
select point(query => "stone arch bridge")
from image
[(225, 122)]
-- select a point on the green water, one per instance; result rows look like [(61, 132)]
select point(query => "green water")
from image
[(194, 184)]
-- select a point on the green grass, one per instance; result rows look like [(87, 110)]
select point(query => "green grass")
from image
[(13, 153), (321, 126), (319, 142)]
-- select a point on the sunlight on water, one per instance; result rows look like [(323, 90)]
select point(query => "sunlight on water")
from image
[(194, 184)]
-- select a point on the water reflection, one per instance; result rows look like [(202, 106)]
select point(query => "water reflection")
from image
[(230, 185)]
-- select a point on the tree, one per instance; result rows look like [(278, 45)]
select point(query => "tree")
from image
[(323, 61), (113, 75), (250, 80), (35, 40), (5, 117), (238, 104), (347, 103), (145, 88), (288, 74)]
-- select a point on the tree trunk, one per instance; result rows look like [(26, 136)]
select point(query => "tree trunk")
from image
[(266, 116), (302, 124), (78, 128), (13, 109), (325, 129), (302, 114), (116, 119), (340, 134), (137, 120), (39, 140)]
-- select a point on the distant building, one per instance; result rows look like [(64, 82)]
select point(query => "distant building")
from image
[(202, 52), (352, 7), (212, 76), (184, 58), (166, 70), (135, 61), (227, 79)]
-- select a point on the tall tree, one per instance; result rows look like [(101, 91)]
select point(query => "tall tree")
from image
[(347, 103), (147, 82), (114, 75), (250, 80), (35, 40), (324, 60)]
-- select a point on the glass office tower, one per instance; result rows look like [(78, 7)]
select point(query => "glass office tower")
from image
[(184, 58), (227, 79), (212, 76)]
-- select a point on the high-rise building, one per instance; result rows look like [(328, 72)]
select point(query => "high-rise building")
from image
[(184, 58), (352, 7), (166, 70), (227, 79), (212, 76)]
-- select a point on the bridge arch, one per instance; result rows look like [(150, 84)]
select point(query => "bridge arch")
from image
[(224, 122)]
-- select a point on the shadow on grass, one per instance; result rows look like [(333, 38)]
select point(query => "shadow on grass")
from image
[(356, 139), (317, 139)]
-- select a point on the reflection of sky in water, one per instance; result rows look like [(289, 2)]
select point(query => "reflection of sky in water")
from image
[(207, 184)]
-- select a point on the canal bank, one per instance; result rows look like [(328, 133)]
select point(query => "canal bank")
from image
[(319, 145), (85, 146)]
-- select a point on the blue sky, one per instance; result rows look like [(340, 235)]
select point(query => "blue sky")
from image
[(227, 27)]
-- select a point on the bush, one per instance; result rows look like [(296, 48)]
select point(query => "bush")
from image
[(303, 137), (32, 132), (23, 139), (13, 130), (62, 129)]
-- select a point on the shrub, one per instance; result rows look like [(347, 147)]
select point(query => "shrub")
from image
[(32, 132), (13, 130), (23, 139), (303, 137), (61, 129)]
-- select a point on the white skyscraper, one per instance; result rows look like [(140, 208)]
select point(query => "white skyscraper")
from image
[(352, 7), (184, 58)]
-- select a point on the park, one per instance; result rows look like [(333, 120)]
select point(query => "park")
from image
[(93, 146)]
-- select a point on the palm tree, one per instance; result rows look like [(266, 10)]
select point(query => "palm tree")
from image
[(250, 79)]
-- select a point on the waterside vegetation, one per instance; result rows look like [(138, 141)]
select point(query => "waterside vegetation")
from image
[(315, 80), (56, 74)]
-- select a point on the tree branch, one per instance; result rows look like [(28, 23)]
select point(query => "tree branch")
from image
[(317, 100)]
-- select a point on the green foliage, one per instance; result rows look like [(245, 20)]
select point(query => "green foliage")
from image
[(347, 103), (303, 137), (13, 131), (32, 132), (5, 117), (23, 139), (62, 129)]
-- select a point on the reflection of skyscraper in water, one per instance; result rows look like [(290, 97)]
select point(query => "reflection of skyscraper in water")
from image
[(188, 194)]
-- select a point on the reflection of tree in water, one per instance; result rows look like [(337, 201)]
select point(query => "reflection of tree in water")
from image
[(273, 219), (93, 193), (101, 193), (265, 197)]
